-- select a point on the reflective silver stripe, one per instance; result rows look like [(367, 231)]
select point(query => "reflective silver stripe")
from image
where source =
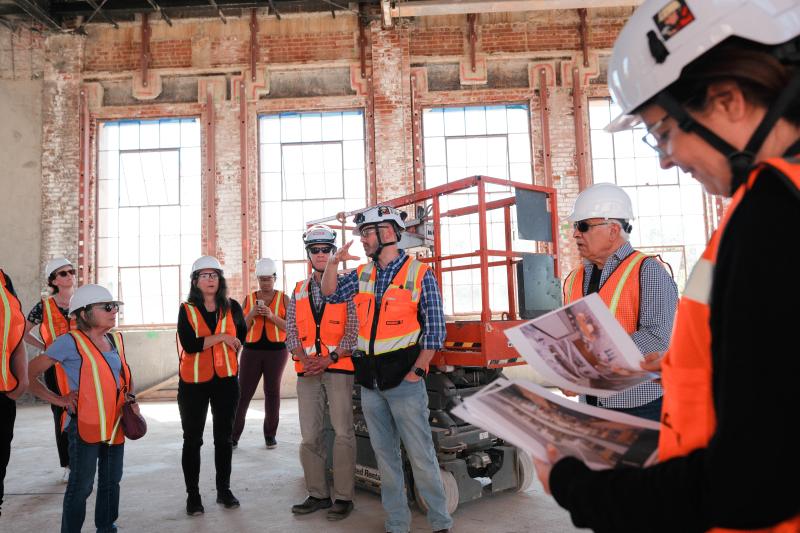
[(302, 293), (411, 279), (397, 343), (698, 287), (365, 282)]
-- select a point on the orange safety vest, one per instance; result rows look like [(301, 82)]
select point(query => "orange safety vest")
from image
[(220, 358), (53, 325), (260, 323), (330, 327), (620, 292), (100, 401), (688, 419), (397, 325), (12, 322)]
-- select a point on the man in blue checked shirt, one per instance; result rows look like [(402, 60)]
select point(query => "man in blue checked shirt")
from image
[(641, 294), (401, 325)]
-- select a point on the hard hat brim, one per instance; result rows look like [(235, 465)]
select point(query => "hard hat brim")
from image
[(623, 122)]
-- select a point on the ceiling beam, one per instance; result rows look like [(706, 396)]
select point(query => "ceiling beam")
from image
[(425, 8), (32, 8)]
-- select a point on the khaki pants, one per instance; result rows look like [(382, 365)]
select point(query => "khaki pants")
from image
[(313, 392)]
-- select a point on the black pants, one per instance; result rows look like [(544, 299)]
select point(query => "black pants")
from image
[(8, 413), (193, 402), (62, 442)]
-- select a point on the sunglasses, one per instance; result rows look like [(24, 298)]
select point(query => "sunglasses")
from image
[(65, 273), (584, 226), (108, 307), (208, 275), (313, 250)]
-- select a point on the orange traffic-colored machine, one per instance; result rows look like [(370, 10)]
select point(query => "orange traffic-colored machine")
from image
[(493, 246)]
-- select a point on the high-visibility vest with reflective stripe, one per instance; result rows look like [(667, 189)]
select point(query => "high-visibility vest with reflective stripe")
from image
[(99, 399), (12, 329), (398, 324), (688, 419), (620, 292), (331, 329), (220, 358), (54, 325), (260, 323)]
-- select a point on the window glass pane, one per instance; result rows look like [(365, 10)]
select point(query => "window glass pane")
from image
[(313, 169), (149, 219), (493, 141), (653, 190)]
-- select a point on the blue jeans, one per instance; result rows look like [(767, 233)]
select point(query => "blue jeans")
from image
[(392, 415), (650, 410), (84, 461)]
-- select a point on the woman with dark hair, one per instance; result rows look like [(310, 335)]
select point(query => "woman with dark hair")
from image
[(211, 330), (264, 353), (99, 379), (51, 315), (717, 84)]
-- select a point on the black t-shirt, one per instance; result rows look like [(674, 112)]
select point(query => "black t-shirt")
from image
[(194, 344), (747, 476)]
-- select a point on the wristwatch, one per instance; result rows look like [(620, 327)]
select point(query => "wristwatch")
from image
[(333, 356), (420, 372)]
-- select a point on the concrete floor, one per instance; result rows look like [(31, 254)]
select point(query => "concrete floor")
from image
[(267, 482)]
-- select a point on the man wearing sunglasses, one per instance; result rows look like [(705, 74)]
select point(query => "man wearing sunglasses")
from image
[(401, 325), (636, 287), (321, 337)]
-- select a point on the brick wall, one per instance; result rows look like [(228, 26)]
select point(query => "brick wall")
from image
[(206, 49)]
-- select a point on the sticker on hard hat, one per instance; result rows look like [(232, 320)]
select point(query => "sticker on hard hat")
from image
[(672, 18)]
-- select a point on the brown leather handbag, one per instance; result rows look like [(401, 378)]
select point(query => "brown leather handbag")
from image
[(133, 423)]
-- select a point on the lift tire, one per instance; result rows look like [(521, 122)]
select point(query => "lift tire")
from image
[(450, 491), (525, 470)]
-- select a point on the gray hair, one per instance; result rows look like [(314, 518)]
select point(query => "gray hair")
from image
[(622, 233)]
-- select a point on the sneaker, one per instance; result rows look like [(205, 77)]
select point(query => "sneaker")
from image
[(226, 498), (310, 505), (340, 510), (271, 443), (194, 505), (65, 475)]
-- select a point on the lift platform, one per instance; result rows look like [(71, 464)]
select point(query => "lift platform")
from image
[(508, 215)]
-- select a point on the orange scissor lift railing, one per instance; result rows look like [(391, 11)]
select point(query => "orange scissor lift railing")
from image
[(476, 342)]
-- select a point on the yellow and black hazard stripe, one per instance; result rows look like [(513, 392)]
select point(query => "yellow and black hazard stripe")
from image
[(462, 345)]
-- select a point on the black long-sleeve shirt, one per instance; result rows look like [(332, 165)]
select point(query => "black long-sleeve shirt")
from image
[(747, 476), (193, 344)]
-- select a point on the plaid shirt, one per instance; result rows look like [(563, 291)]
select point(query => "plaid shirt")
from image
[(431, 311), (658, 299), (348, 342)]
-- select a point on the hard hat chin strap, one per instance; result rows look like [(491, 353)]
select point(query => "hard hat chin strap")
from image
[(381, 245), (741, 161)]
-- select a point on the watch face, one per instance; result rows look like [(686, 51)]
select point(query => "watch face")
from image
[(420, 372)]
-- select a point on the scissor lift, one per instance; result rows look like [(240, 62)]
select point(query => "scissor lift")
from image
[(474, 462)]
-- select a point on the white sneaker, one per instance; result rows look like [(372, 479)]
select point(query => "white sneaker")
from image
[(65, 476)]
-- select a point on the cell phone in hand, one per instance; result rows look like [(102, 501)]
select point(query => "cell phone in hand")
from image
[(260, 303)]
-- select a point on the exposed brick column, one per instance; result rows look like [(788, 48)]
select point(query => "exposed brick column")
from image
[(61, 146), (391, 71)]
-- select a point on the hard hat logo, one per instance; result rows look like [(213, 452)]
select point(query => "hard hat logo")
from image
[(673, 18), (381, 213)]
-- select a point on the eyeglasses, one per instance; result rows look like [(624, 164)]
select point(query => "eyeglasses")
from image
[(65, 273), (584, 226), (657, 141), (108, 307), (313, 250), (208, 275)]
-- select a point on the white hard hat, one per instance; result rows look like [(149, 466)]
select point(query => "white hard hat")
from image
[(602, 200), (663, 36), (88, 295), (207, 261), (381, 213), (266, 267), (54, 264), (319, 234)]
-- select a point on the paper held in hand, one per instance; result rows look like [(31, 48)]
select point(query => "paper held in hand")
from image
[(531, 417), (581, 348)]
